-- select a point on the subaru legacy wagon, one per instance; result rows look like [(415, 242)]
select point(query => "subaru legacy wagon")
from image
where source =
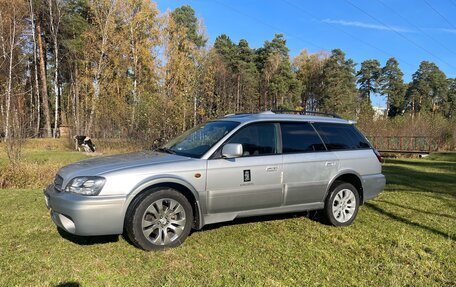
[(237, 166)]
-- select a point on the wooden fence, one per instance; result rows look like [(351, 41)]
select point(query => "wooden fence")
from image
[(404, 144)]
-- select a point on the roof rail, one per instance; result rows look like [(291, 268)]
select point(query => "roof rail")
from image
[(235, 114), (304, 112)]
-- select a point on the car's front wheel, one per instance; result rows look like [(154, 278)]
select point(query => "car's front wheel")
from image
[(160, 219), (342, 204)]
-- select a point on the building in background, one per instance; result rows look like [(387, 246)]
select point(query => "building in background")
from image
[(379, 112)]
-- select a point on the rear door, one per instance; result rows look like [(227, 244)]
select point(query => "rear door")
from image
[(351, 148), (308, 166), (252, 181)]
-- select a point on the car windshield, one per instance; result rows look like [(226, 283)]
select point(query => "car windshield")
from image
[(197, 141)]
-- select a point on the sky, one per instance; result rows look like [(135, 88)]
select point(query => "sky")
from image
[(409, 30)]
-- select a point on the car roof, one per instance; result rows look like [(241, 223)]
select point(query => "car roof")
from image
[(271, 116)]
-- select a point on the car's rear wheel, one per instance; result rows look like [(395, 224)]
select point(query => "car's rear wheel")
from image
[(159, 219), (342, 204)]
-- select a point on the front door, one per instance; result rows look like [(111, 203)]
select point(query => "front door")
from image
[(252, 181)]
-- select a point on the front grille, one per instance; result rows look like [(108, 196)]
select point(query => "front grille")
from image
[(58, 181)]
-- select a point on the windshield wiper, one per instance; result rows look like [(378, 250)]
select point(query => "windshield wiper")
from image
[(167, 150)]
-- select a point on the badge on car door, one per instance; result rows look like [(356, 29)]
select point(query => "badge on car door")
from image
[(247, 177)]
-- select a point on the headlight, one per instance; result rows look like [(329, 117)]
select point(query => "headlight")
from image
[(86, 185)]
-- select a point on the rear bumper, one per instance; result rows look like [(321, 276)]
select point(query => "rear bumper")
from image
[(85, 215), (373, 184)]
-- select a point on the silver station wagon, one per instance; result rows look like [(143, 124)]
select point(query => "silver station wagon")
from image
[(238, 166)]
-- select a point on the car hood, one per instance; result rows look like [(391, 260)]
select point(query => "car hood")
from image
[(101, 165)]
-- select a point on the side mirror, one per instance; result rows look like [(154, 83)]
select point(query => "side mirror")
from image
[(232, 150)]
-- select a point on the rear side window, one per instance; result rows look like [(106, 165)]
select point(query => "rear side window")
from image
[(299, 138), (341, 136)]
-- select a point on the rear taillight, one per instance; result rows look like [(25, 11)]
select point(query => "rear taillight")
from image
[(378, 155)]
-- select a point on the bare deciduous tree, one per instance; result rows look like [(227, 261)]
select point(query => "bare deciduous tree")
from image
[(55, 10)]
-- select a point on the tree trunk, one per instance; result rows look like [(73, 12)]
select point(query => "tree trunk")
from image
[(238, 92), (266, 95), (96, 88), (35, 69), (44, 93), (56, 87), (387, 105), (55, 23), (12, 43), (75, 100), (420, 106), (135, 78), (194, 110), (413, 107), (135, 101), (31, 111), (1, 37), (76, 95), (185, 116)]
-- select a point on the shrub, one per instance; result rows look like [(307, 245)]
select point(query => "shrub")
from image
[(28, 175), (442, 130)]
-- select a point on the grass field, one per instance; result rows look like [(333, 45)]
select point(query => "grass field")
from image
[(405, 237)]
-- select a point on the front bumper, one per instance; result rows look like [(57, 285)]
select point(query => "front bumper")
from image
[(372, 185), (85, 215)]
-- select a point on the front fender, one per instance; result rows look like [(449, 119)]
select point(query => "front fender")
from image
[(161, 179)]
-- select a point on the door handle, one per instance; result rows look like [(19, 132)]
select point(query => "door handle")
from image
[(330, 163), (272, 168)]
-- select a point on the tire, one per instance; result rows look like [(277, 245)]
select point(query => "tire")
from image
[(159, 219), (341, 204)]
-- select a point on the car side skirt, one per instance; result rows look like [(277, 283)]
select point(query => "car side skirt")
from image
[(229, 216)]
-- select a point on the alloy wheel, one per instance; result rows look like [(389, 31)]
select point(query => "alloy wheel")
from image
[(163, 221), (344, 205)]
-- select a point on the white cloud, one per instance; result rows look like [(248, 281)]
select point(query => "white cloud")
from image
[(366, 25), (453, 31)]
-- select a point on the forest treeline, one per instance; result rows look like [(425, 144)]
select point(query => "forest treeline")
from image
[(112, 68)]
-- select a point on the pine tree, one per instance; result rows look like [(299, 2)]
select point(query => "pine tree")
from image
[(279, 87), (225, 52), (42, 72), (242, 75), (185, 17), (393, 88), (428, 89), (75, 25), (449, 108), (339, 87), (225, 48), (247, 77), (368, 78)]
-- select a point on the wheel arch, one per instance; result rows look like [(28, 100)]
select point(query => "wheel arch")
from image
[(178, 184), (349, 176)]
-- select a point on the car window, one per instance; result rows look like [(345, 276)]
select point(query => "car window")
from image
[(300, 137), (197, 141), (257, 139), (341, 136)]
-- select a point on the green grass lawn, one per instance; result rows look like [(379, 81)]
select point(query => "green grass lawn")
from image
[(405, 237), (44, 151)]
